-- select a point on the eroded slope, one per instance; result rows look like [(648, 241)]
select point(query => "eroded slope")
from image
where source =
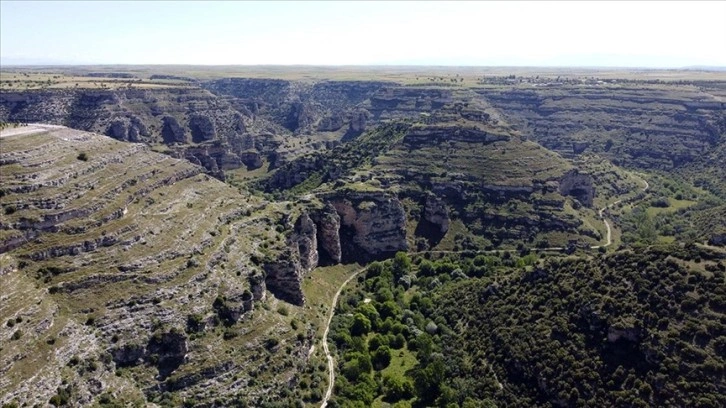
[(132, 274)]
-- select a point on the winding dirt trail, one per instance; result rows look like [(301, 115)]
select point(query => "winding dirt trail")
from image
[(331, 361), (608, 240)]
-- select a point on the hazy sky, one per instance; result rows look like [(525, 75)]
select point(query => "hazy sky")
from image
[(653, 34)]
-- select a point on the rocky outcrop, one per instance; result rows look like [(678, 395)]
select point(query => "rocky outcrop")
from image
[(127, 129), (328, 222), (295, 172), (302, 116), (299, 257), (304, 237), (233, 305), (284, 277), (578, 185), (167, 350), (435, 135), (202, 128), (718, 239), (128, 354), (252, 159), (359, 120), (436, 212), (172, 132), (331, 123), (372, 225)]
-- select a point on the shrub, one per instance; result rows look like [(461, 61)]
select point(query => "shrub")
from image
[(271, 343), (83, 156), (283, 310)]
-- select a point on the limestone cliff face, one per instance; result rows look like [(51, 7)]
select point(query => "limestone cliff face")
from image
[(328, 222), (300, 256), (352, 226), (680, 125), (202, 128), (127, 129), (284, 277), (578, 185), (304, 236), (172, 132), (372, 225), (436, 212)]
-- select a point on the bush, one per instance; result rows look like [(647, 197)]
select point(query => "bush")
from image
[(83, 156), (283, 310), (271, 343)]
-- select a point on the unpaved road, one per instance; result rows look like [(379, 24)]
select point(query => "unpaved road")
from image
[(331, 362), (608, 239), (31, 129)]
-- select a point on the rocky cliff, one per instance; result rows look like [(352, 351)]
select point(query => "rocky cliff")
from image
[(578, 185), (372, 225), (124, 259), (641, 126), (631, 124)]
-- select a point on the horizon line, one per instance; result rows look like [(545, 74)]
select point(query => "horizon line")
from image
[(617, 67)]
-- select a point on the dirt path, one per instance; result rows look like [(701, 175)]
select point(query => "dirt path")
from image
[(30, 129), (331, 361), (608, 239)]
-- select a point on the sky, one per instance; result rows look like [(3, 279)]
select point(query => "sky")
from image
[(598, 34)]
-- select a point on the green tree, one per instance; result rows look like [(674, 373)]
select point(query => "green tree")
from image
[(401, 265), (361, 325), (381, 358), (396, 388)]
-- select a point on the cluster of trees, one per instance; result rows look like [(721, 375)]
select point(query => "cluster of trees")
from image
[(626, 329), (391, 316), (622, 330)]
